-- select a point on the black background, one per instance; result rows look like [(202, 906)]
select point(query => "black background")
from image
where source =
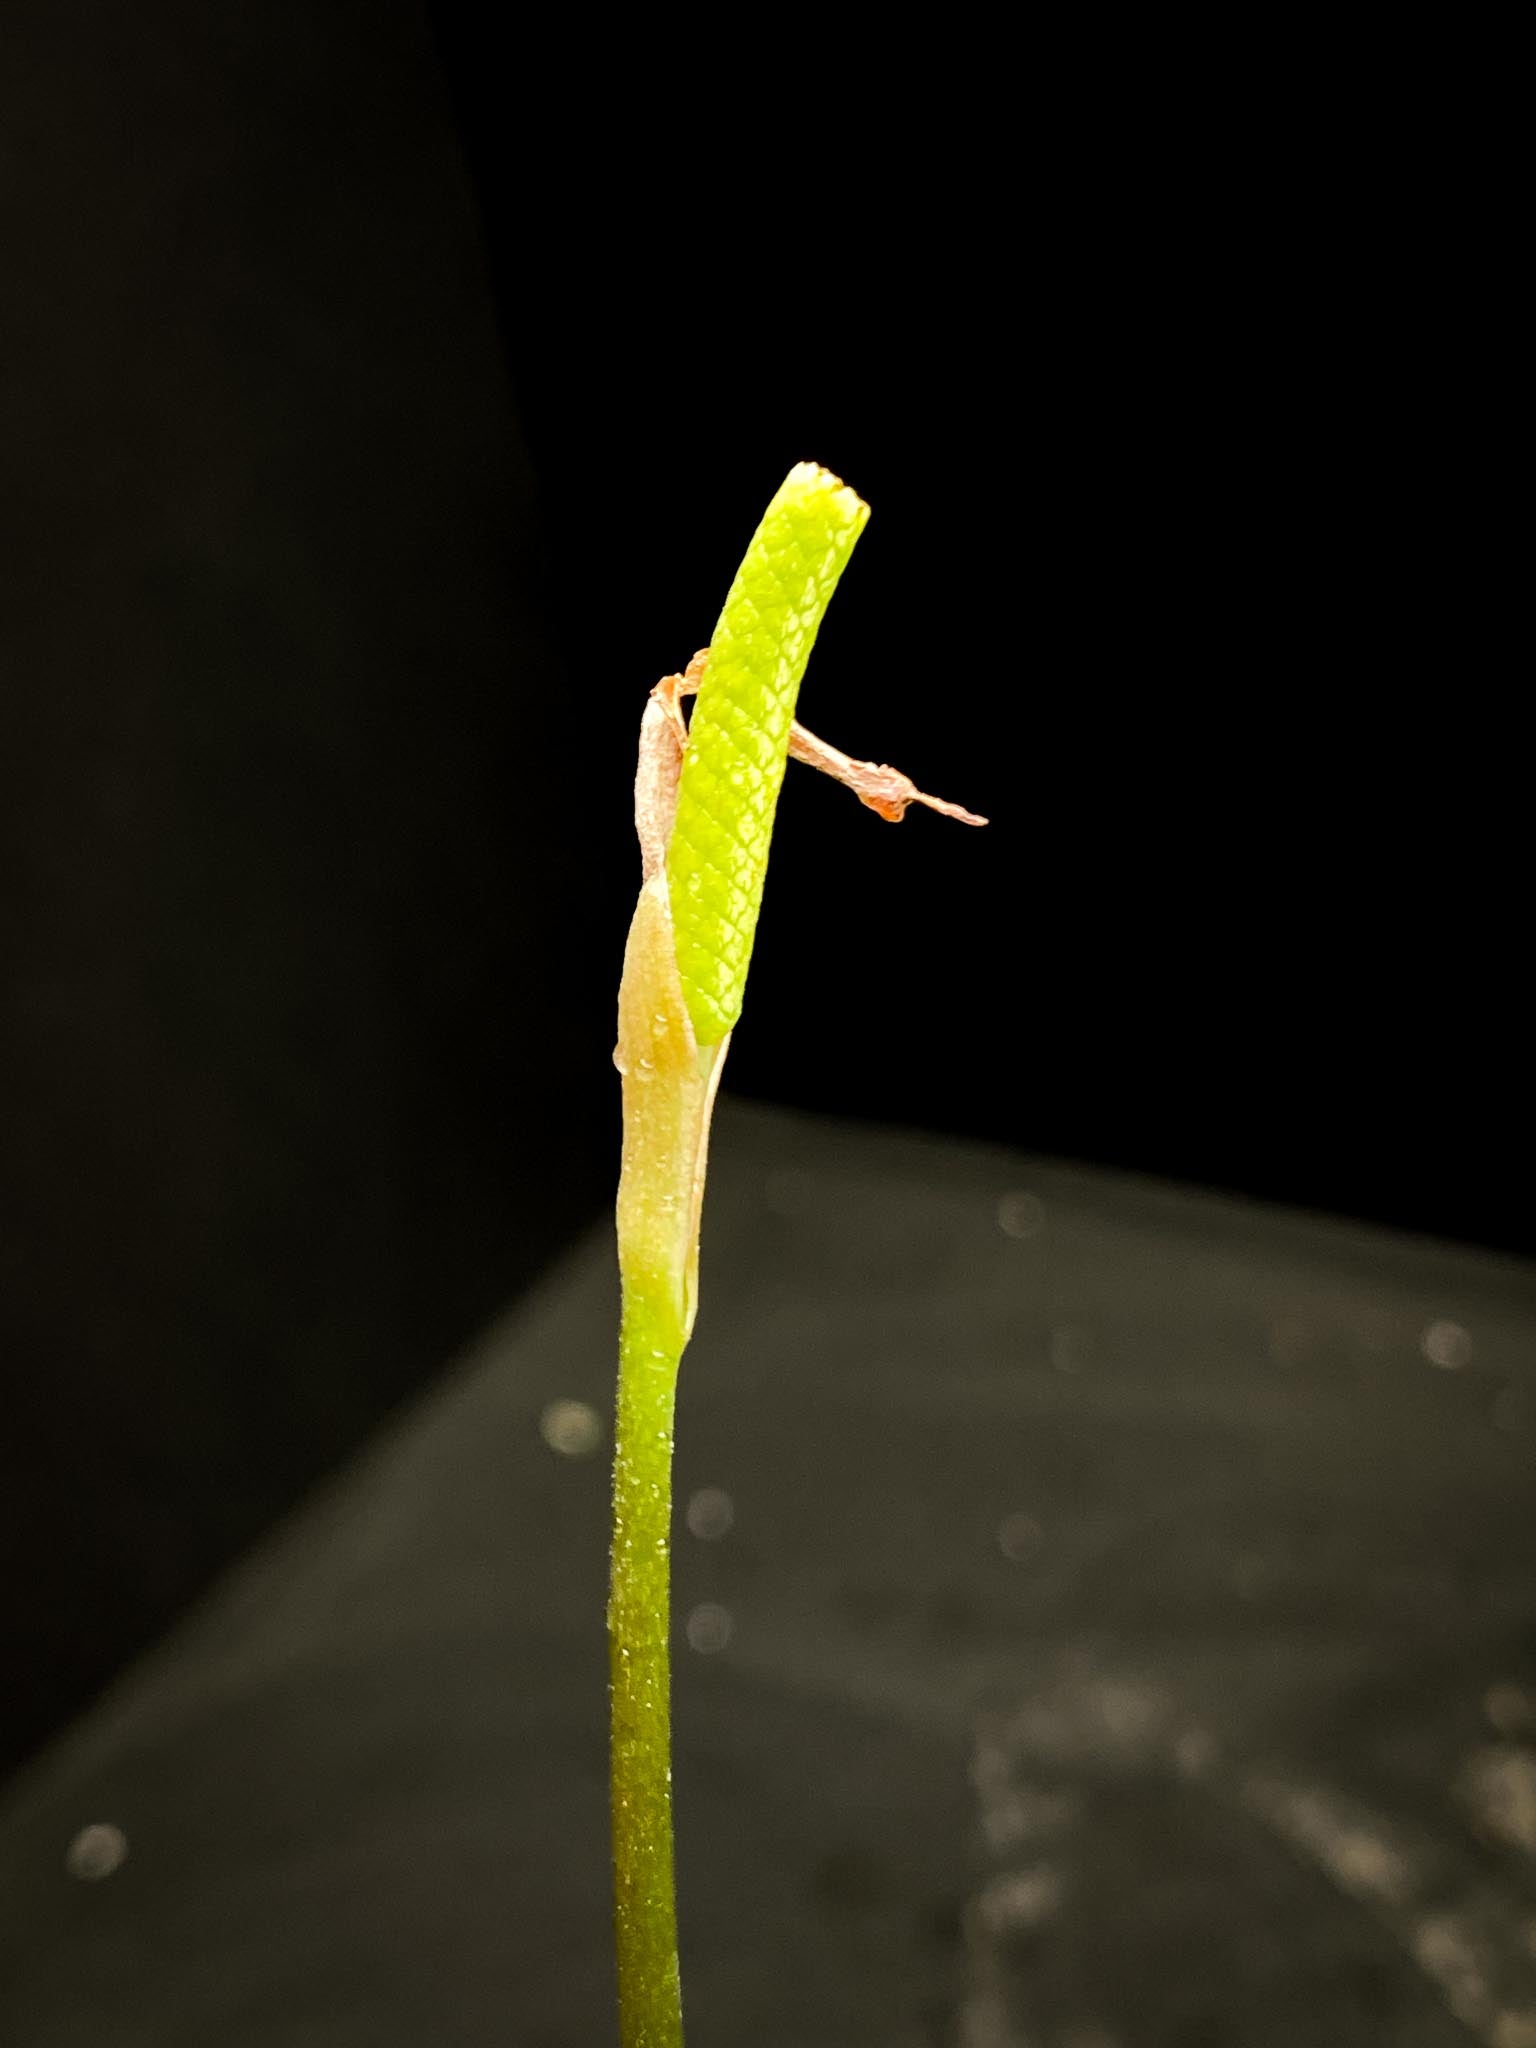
[(379, 428), (1185, 566)]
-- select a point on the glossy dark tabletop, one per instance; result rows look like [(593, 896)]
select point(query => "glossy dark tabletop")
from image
[(1105, 1618)]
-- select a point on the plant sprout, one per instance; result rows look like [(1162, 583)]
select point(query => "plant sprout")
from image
[(705, 794)]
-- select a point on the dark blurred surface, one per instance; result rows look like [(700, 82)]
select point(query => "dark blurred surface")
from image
[(1104, 1619)]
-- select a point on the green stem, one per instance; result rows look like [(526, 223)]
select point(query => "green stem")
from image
[(667, 1094), (650, 1999)]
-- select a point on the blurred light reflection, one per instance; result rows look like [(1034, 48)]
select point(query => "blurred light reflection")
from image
[(709, 1628), (97, 1852), (573, 1428), (1447, 1345), (710, 1514), (1021, 1214)]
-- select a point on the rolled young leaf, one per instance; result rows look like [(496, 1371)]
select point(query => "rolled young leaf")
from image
[(738, 737)]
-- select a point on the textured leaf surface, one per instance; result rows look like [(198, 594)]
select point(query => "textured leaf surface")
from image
[(738, 737)]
